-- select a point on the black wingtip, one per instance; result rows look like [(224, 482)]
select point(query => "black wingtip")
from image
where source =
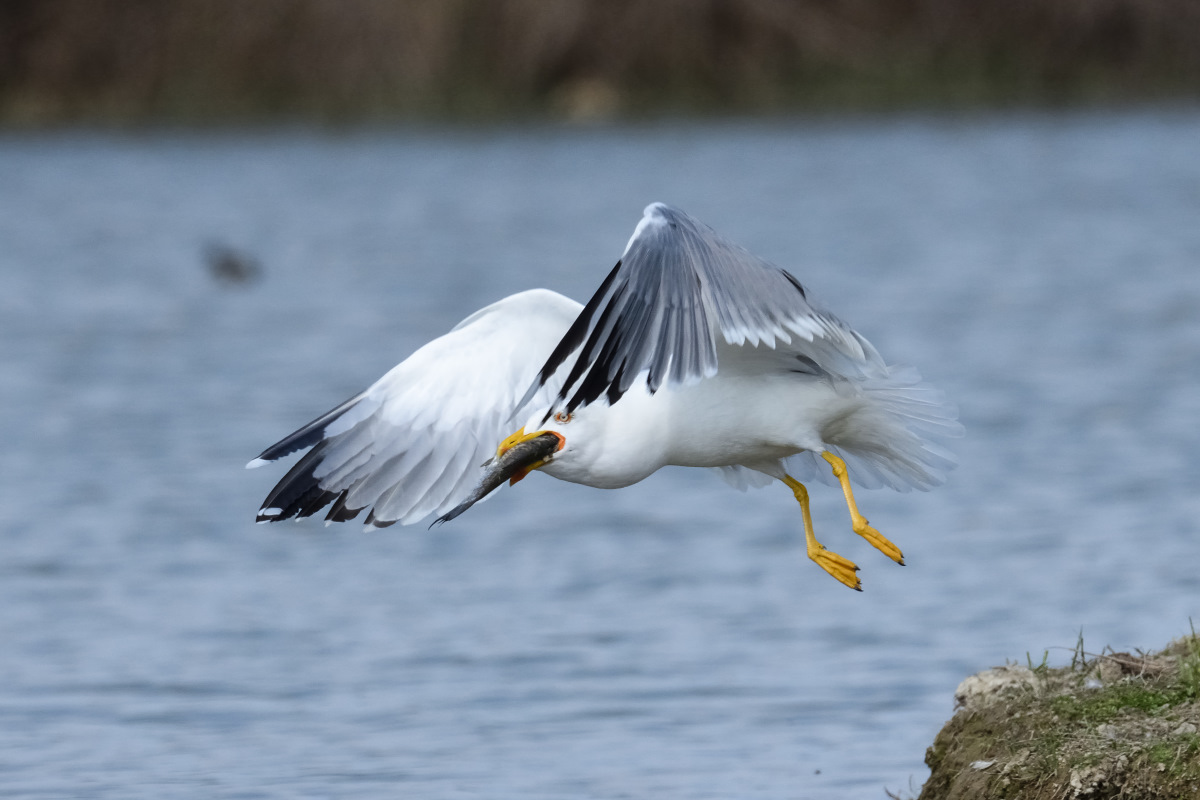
[(374, 522), (575, 337), (340, 512), (306, 436)]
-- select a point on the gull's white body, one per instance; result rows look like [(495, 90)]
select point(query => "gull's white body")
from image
[(751, 421), (776, 387), (750, 415)]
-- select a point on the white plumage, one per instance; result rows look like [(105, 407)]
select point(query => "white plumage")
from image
[(693, 353)]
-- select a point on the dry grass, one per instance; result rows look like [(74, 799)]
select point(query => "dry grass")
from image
[(121, 59)]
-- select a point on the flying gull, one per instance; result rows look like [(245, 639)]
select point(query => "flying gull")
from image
[(692, 352)]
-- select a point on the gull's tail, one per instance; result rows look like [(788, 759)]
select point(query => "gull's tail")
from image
[(896, 436)]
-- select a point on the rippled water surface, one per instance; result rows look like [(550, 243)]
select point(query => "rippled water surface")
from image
[(668, 640)]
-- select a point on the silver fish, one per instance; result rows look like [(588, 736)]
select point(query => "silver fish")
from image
[(530, 451)]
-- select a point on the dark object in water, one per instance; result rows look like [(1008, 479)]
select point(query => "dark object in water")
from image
[(230, 266), (517, 459)]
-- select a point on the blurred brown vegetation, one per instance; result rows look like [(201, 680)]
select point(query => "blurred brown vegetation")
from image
[(65, 60)]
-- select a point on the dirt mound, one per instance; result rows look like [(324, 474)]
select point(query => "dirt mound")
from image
[(1112, 725)]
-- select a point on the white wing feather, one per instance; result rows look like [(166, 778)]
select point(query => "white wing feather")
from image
[(413, 443)]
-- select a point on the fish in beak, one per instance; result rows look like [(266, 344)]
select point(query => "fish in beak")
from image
[(516, 457)]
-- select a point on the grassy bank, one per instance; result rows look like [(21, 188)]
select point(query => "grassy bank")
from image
[(68, 60), (1112, 725)]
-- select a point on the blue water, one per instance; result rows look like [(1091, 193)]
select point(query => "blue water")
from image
[(666, 640)]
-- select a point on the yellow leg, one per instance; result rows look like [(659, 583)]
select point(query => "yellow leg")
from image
[(841, 568), (861, 527)]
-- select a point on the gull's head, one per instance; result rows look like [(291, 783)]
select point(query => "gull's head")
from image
[(571, 429), (601, 445)]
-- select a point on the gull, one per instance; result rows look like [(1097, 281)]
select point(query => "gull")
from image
[(692, 353)]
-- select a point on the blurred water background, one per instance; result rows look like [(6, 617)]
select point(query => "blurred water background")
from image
[(667, 640)]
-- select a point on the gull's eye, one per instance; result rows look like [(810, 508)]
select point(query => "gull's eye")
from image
[(562, 417)]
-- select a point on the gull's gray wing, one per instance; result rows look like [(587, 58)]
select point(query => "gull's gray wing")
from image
[(678, 286)]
